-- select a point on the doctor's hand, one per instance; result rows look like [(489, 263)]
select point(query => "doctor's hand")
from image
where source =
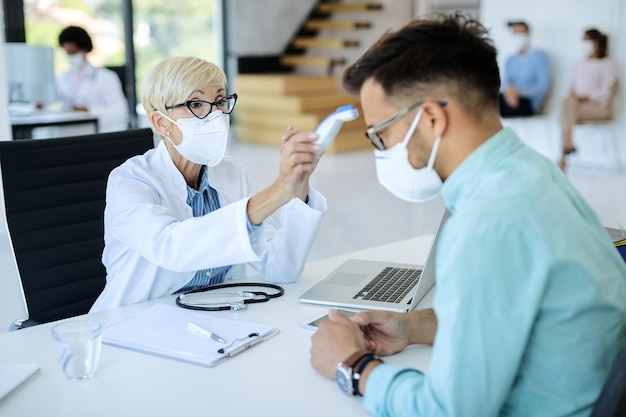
[(388, 333), (335, 340), (297, 162)]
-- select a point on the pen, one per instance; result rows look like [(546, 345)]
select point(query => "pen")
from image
[(245, 346), (198, 329)]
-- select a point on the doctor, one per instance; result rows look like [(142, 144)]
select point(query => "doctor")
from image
[(182, 216), (86, 88)]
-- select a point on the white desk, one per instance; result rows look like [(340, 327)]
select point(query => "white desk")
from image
[(273, 379), (23, 125)]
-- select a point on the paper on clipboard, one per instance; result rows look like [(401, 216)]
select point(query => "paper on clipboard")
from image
[(12, 375), (162, 330)]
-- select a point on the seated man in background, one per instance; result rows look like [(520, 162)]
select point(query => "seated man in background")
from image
[(530, 305), (526, 82)]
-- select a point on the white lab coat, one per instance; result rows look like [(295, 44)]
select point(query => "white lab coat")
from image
[(154, 245), (97, 89)]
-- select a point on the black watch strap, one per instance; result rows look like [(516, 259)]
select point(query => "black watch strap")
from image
[(356, 375)]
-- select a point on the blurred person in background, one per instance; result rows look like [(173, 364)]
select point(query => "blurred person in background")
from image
[(591, 88), (526, 78), (87, 88)]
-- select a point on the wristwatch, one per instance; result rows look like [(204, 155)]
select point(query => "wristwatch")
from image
[(362, 363), (344, 372)]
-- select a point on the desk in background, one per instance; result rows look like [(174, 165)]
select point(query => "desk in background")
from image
[(274, 378), (23, 125)]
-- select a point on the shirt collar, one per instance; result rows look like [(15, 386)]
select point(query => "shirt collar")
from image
[(468, 175), (204, 185)]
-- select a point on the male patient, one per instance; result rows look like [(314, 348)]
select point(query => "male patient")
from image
[(526, 82), (530, 304)]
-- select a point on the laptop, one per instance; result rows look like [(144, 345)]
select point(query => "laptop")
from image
[(373, 285)]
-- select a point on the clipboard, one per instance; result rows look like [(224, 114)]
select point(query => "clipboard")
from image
[(163, 330)]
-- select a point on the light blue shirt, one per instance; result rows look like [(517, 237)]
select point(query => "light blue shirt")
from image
[(203, 201), (530, 73), (530, 297)]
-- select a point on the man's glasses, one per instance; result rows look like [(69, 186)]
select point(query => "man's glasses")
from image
[(373, 133), (202, 108)]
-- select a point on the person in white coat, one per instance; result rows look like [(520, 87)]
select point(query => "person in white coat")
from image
[(86, 88), (182, 216)]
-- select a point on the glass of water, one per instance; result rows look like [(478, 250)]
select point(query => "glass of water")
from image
[(78, 344)]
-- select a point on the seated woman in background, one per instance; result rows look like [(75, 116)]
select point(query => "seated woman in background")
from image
[(84, 87), (182, 217), (591, 89)]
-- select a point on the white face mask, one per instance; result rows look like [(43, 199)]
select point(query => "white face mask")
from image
[(520, 42), (204, 140), (587, 48), (397, 175), (76, 60)]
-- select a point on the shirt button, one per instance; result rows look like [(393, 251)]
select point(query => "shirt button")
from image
[(208, 273)]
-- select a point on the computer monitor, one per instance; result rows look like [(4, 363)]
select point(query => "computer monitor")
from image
[(29, 73)]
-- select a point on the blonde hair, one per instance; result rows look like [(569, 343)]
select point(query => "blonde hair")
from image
[(173, 80)]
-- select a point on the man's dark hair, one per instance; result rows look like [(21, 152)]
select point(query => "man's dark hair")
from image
[(76, 35), (519, 23), (601, 40), (441, 54)]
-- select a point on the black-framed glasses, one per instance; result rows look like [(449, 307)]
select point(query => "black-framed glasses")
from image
[(202, 108), (373, 133)]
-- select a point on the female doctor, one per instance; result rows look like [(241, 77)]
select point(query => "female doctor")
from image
[(86, 88), (181, 216)]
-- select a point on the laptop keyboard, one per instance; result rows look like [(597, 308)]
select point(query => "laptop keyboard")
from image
[(391, 285)]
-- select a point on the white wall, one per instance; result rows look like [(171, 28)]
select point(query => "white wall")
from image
[(557, 26), (264, 27)]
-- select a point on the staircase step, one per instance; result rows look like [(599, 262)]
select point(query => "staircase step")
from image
[(347, 139), (326, 102), (348, 7), (322, 43), (284, 84), (316, 24), (311, 61), (253, 117)]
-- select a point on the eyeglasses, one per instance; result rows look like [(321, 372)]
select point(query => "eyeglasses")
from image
[(373, 133), (202, 108)]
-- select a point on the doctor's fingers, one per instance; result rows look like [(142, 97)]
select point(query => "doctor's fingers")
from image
[(289, 133), (299, 140), (298, 160)]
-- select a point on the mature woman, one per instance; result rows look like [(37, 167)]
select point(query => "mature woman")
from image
[(591, 89), (181, 216)]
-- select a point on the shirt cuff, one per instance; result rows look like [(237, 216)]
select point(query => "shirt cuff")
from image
[(378, 384), (251, 227)]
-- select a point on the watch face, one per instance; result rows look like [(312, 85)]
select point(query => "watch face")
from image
[(344, 379)]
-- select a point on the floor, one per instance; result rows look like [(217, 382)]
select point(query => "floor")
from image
[(361, 213)]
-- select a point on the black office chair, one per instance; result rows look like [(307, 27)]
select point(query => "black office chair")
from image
[(54, 192), (612, 399)]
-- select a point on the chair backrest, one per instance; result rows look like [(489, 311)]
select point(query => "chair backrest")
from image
[(612, 399), (54, 192)]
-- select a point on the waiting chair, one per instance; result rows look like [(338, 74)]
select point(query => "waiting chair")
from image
[(612, 399), (54, 193)]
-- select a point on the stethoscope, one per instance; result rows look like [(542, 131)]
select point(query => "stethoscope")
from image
[(208, 299)]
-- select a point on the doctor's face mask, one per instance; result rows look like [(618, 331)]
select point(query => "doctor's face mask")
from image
[(204, 140)]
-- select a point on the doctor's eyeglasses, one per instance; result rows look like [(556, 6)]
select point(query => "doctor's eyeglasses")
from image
[(202, 108)]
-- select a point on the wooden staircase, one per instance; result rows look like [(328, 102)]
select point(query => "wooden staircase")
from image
[(268, 103), (308, 36)]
